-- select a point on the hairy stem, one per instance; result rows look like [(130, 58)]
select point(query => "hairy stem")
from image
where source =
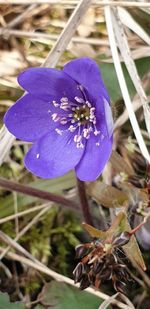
[(14, 186), (84, 202)]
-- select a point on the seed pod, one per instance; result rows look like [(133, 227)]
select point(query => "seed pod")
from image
[(120, 286), (81, 250), (106, 274), (91, 276), (137, 182), (122, 240), (139, 163), (84, 283), (120, 273), (97, 267), (78, 272)]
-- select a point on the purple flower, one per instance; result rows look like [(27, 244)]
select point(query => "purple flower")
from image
[(66, 114)]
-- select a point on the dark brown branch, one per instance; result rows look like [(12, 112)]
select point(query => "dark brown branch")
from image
[(14, 186), (84, 202)]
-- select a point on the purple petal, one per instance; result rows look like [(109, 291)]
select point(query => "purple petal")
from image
[(45, 83), (108, 118), (94, 159), (104, 120), (29, 118), (104, 117), (86, 72), (53, 155)]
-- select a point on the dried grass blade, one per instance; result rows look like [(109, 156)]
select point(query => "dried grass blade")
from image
[(67, 33), (129, 22), (122, 83), (122, 42), (108, 301), (6, 142)]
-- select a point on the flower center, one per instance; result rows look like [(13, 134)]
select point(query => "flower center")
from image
[(81, 114), (79, 118)]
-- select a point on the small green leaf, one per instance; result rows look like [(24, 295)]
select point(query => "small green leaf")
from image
[(59, 295), (6, 304)]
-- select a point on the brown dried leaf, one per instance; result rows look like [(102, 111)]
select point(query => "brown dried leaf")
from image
[(107, 195), (93, 232), (132, 249), (120, 165), (115, 228)]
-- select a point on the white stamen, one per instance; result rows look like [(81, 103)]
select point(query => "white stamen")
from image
[(64, 100), (80, 145), (60, 132), (86, 133), (92, 109), (96, 132), (56, 104), (55, 117), (63, 120), (79, 100), (88, 104), (77, 138), (38, 155), (72, 128)]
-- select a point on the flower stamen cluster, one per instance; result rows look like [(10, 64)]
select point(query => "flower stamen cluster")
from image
[(80, 116)]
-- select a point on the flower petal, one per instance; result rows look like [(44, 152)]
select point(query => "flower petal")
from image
[(45, 82), (29, 118), (94, 159), (53, 155), (108, 118), (86, 72)]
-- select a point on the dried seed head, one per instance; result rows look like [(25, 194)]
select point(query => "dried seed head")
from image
[(106, 274), (97, 267), (139, 163), (137, 182), (81, 250), (120, 286), (78, 272), (122, 239), (84, 282)]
